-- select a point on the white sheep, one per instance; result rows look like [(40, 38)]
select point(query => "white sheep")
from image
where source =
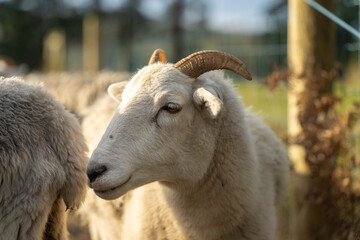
[(42, 163), (77, 91), (186, 158)]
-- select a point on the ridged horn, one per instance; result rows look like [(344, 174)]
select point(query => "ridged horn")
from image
[(158, 55), (204, 61)]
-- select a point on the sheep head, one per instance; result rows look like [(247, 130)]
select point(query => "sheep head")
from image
[(165, 126)]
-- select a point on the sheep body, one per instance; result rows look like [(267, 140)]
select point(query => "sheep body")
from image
[(42, 163), (77, 91), (219, 173)]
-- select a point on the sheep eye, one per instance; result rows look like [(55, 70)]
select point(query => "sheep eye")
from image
[(172, 108)]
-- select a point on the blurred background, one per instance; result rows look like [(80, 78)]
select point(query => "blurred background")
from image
[(121, 34), (304, 59)]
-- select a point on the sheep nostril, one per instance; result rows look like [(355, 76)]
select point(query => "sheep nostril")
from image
[(95, 173)]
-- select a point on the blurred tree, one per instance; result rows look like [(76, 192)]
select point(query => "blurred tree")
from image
[(22, 35), (177, 29), (347, 10), (278, 13), (131, 21), (25, 24)]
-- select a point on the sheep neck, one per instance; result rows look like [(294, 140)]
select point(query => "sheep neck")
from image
[(216, 200)]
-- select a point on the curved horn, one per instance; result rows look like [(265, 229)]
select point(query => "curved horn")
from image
[(204, 61), (158, 55)]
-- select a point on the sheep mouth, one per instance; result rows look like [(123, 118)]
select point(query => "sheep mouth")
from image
[(114, 188)]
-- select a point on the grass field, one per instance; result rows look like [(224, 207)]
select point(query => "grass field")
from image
[(272, 106)]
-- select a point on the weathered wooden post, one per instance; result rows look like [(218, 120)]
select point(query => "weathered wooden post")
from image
[(91, 43), (311, 44), (54, 53)]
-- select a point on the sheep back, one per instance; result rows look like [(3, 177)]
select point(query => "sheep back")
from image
[(42, 160)]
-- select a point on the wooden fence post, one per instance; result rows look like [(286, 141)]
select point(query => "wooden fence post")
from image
[(54, 53), (311, 44), (91, 43)]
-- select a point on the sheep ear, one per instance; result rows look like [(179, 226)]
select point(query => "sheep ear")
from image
[(207, 99), (115, 90)]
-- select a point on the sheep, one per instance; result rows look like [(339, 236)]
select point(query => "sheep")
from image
[(43, 159), (95, 119), (77, 91), (84, 94), (182, 158)]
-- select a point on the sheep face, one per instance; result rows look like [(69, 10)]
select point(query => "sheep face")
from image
[(163, 130)]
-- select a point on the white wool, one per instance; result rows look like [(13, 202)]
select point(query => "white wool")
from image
[(42, 163)]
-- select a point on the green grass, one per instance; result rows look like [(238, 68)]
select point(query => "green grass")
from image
[(272, 106)]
